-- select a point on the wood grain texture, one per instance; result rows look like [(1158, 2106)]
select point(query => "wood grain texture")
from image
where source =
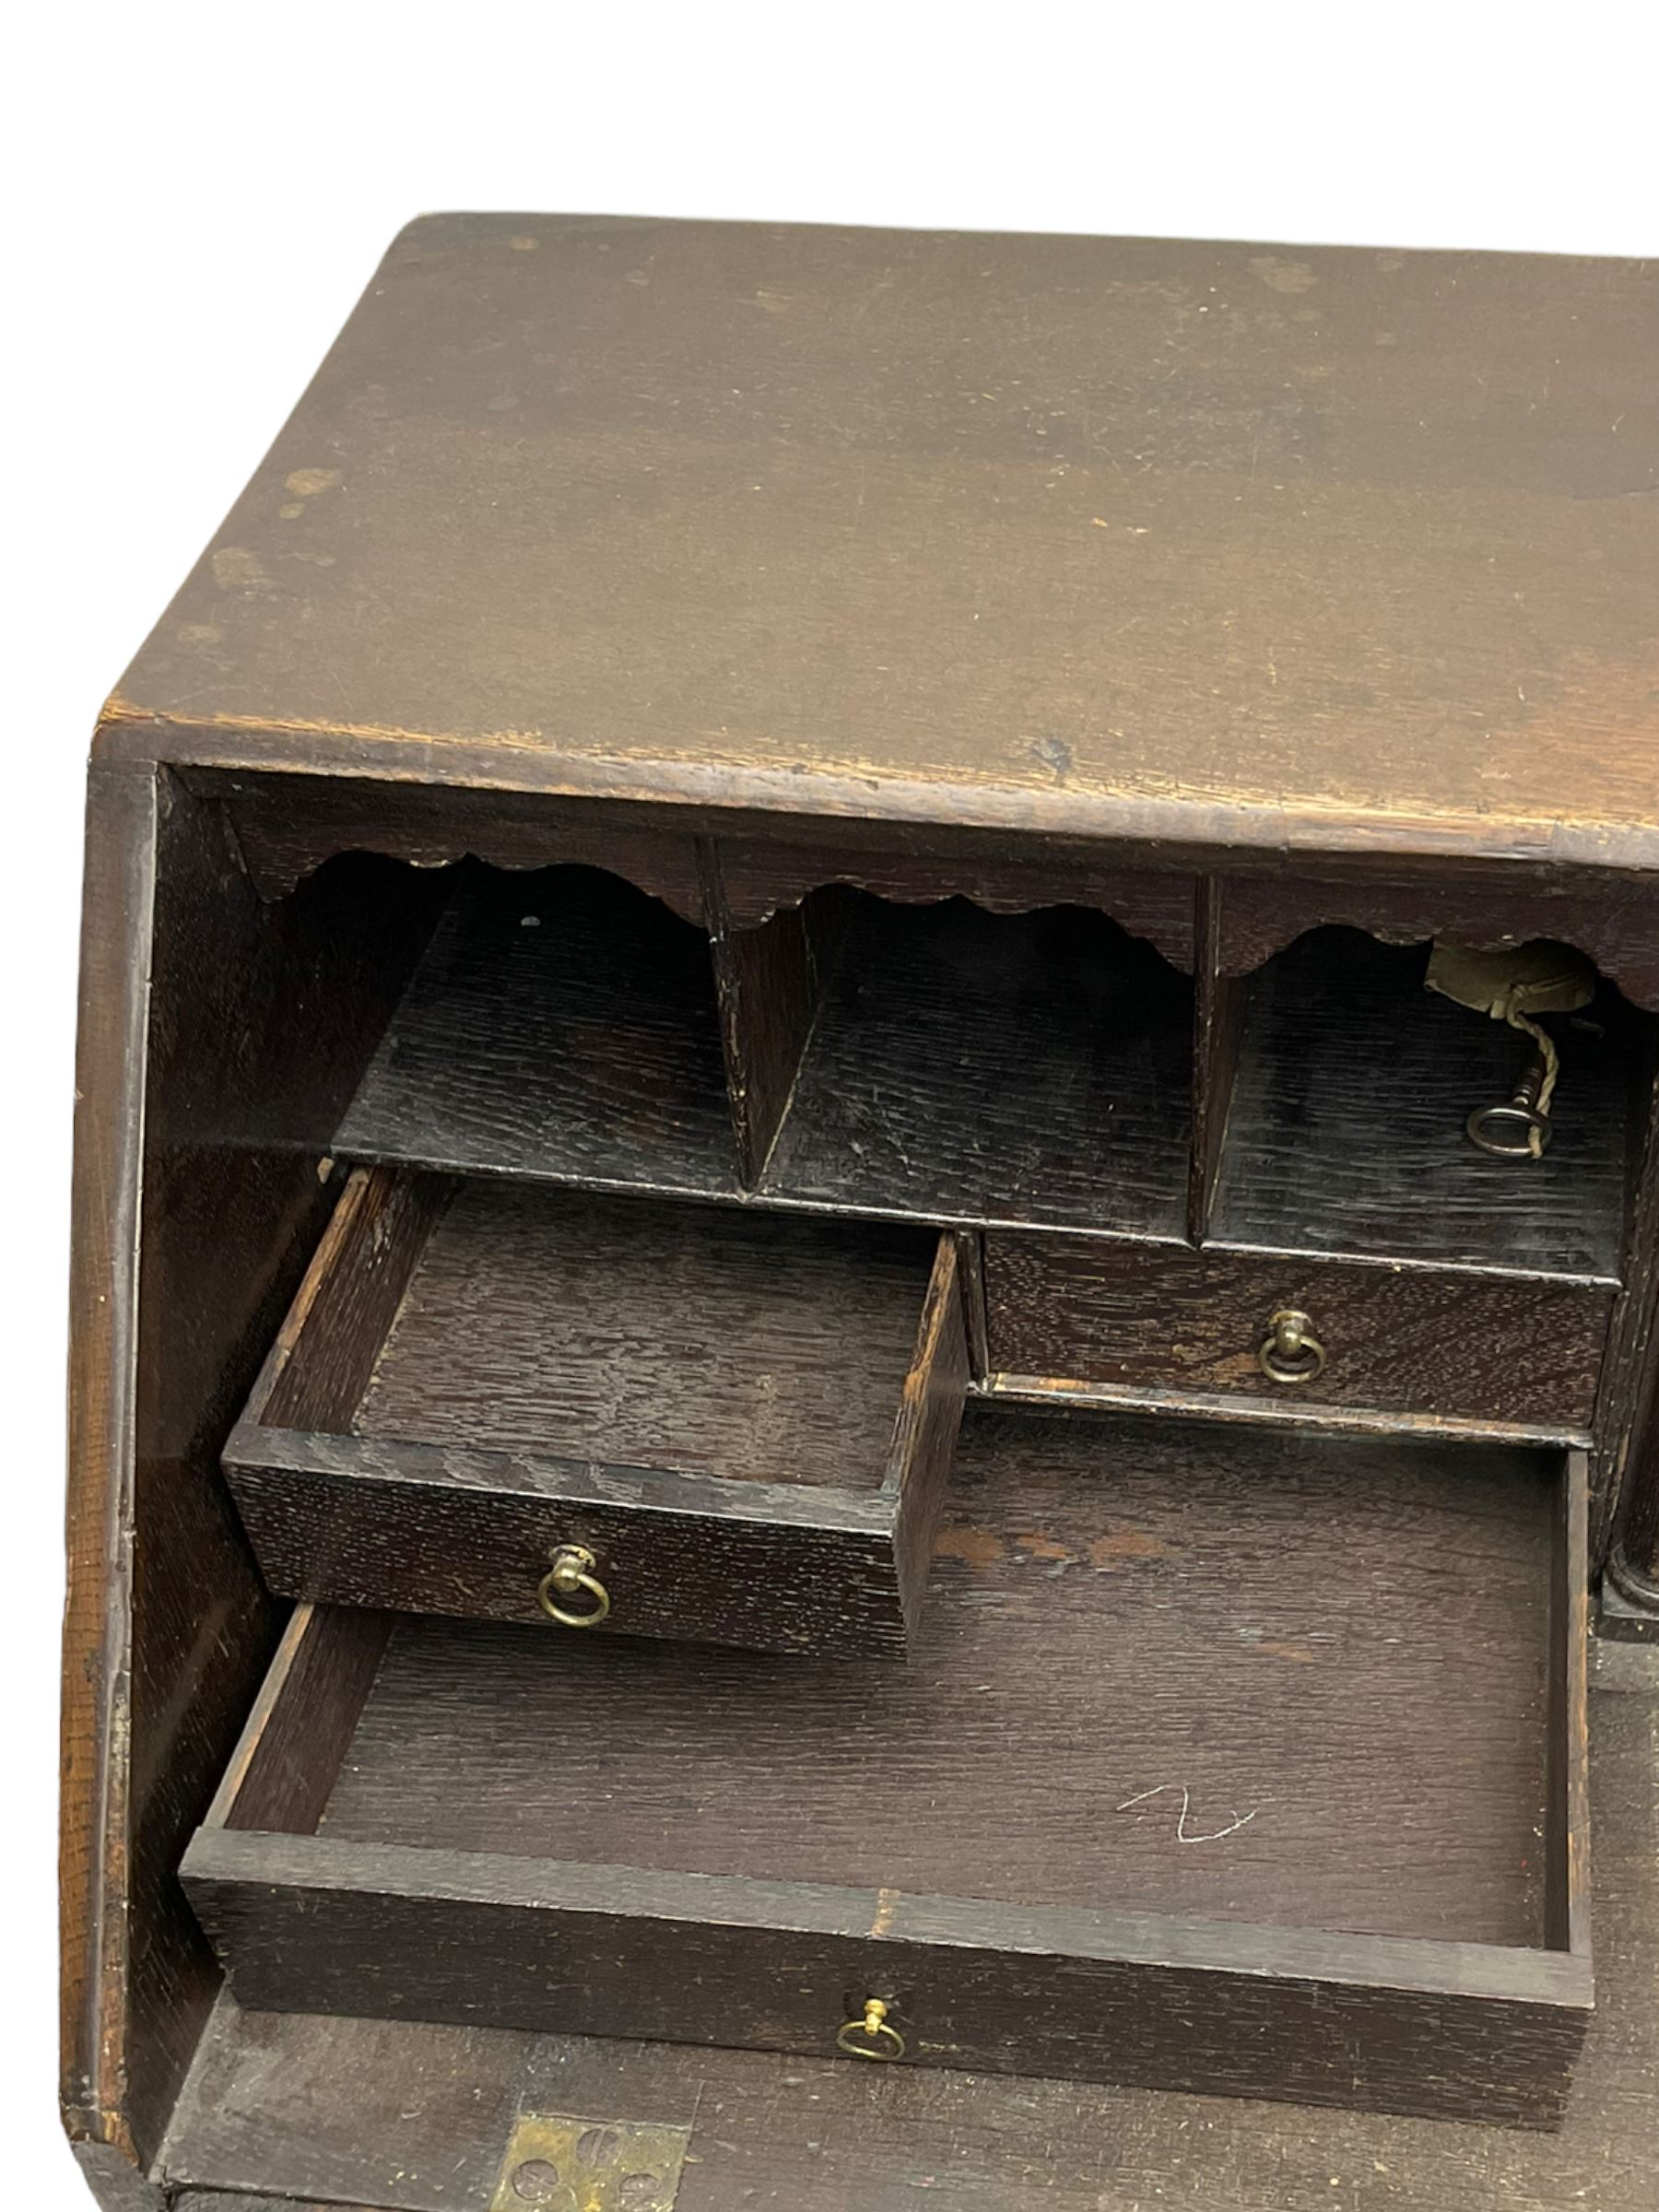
[(702, 1341), (776, 1567), (1218, 1004), (1296, 547), (304, 1718), (455, 2108), (1054, 1393), (197, 1195), (969, 1067), (747, 1419), (1346, 1130), (693, 1896), (414, 2116), (236, 1128), (1458, 2030), (1616, 923), (94, 1932), (763, 873), (767, 985), (1567, 1779), (1066, 1540), (924, 1435), (218, 2200), (970, 1263), (561, 1026), (1400, 1340), (287, 826), (330, 1343), (1149, 640), (1625, 1472)]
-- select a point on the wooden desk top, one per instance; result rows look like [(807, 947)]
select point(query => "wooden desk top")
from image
[(1271, 546)]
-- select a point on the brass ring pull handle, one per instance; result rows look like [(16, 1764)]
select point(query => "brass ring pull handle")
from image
[(571, 1575), (880, 2038), (1291, 1353)]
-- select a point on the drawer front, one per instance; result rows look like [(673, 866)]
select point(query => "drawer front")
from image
[(301, 1923), (343, 1522), (1396, 1340)]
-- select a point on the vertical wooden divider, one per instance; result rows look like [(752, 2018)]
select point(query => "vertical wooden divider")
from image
[(1218, 1001), (1624, 1489), (766, 984), (1567, 1773)]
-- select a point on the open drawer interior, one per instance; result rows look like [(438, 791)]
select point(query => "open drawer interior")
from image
[(718, 1425), (1226, 1760)]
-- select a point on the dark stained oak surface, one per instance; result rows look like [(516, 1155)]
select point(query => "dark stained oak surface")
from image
[(747, 1419), (689, 1337), (994, 1067), (416, 2117), (1261, 544), (562, 1024), (1431, 1345), (1345, 1132), (1114, 1612), (1208, 554)]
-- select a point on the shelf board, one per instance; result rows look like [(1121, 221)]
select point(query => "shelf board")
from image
[(561, 1026), (979, 1068), (1346, 1133)]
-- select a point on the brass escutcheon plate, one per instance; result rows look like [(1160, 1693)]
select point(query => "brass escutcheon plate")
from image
[(571, 2162)]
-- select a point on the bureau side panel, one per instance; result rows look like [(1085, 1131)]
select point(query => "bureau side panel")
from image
[(219, 1036)]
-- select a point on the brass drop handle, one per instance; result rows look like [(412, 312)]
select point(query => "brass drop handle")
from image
[(571, 1575), (879, 2038), (1291, 1353)]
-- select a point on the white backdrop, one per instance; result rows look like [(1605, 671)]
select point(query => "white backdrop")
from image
[(197, 196)]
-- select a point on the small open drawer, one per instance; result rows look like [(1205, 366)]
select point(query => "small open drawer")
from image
[(1227, 1761), (525, 1403)]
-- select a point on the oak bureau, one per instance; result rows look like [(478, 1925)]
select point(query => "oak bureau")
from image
[(867, 1204)]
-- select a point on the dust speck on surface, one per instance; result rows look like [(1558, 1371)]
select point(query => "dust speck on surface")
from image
[(1282, 276), (523, 244), (199, 633), (306, 483), (291, 509)]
